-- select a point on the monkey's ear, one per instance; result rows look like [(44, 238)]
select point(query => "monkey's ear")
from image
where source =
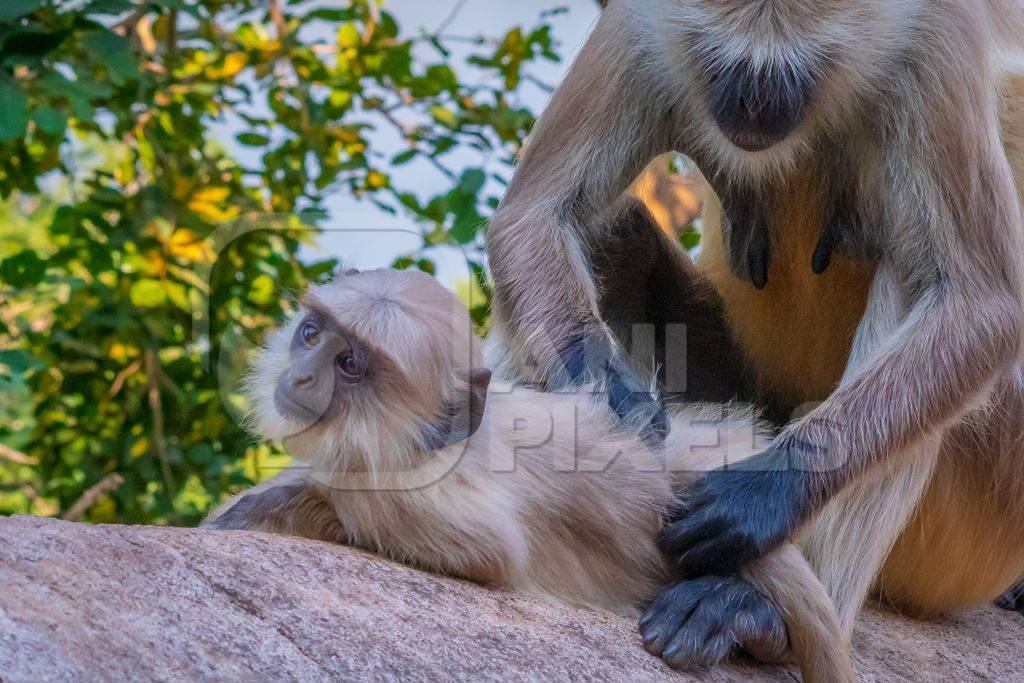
[(479, 381), (461, 420)]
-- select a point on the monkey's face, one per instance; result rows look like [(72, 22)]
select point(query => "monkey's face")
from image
[(772, 70), (369, 356), (326, 361)]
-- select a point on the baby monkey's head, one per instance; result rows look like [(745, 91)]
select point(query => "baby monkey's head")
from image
[(383, 359)]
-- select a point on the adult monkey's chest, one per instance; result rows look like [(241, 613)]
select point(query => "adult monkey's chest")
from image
[(797, 331)]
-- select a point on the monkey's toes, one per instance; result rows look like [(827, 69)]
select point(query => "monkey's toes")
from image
[(694, 625)]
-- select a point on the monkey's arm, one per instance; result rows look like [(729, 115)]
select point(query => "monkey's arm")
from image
[(947, 320), (286, 504), (609, 118)]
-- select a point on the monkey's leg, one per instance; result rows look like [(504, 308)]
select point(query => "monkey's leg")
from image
[(852, 536), (664, 312), (962, 548), (284, 505)]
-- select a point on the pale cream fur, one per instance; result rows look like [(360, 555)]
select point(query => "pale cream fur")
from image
[(550, 496), (925, 97), (961, 546)]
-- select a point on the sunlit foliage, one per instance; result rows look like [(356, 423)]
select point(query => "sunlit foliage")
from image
[(119, 188)]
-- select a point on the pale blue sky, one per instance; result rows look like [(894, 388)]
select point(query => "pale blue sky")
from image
[(368, 237)]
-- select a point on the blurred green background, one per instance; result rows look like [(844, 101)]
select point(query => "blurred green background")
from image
[(136, 138)]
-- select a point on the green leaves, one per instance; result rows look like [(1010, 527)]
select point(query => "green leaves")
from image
[(108, 6), (13, 111), (50, 120), (31, 42), (253, 139), (114, 53), (349, 36), (148, 293), (100, 274), (462, 204), (22, 270), (14, 9), (445, 117)]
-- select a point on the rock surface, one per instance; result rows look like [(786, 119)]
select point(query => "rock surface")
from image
[(130, 603)]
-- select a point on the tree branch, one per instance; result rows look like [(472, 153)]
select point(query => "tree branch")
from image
[(156, 407), (92, 496), (121, 378), (412, 145), (8, 453), (450, 18)]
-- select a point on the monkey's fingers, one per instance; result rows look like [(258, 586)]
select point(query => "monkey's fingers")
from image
[(584, 358), (705, 545), (762, 634), (591, 357), (669, 611), (696, 648), (636, 408), (822, 257), (759, 257), (696, 624), (747, 236), (733, 517)]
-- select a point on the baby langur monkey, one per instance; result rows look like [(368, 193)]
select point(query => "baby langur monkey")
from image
[(378, 388)]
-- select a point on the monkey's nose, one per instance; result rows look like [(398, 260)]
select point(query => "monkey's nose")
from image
[(758, 106), (304, 394), (304, 380)]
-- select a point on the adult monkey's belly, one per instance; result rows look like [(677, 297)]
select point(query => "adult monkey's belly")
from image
[(796, 333), (796, 336)]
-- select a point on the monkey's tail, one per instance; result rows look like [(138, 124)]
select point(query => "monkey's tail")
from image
[(820, 646)]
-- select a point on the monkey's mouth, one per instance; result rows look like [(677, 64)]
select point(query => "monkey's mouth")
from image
[(292, 409), (758, 106), (750, 141)]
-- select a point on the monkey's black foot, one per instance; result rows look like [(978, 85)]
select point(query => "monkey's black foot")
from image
[(1013, 599), (730, 518), (591, 358), (696, 624)]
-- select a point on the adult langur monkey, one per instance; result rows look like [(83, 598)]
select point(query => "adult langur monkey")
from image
[(867, 132), (377, 387)]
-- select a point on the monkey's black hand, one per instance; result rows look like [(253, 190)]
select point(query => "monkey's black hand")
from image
[(696, 624), (845, 224), (846, 228), (731, 517), (591, 358), (746, 234)]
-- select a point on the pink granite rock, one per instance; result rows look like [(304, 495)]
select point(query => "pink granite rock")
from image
[(84, 602)]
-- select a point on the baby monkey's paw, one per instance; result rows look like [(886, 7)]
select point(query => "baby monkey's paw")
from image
[(592, 358), (696, 624)]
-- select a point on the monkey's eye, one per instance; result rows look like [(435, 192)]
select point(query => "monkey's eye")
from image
[(310, 333), (352, 368), (352, 271)]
